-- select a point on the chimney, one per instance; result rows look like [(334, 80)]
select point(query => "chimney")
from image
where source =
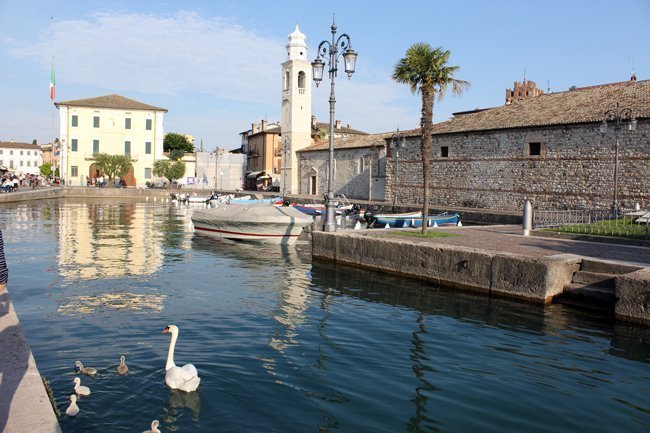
[(313, 121), (264, 123), (338, 124)]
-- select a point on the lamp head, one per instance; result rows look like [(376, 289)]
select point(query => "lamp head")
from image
[(317, 67), (350, 60)]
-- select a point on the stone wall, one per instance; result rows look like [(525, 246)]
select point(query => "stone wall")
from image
[(493, 169), (355, 170)]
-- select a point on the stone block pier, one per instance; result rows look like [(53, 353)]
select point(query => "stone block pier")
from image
[(500, 261)]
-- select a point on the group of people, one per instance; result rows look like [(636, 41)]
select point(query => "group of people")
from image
[(11, 182)]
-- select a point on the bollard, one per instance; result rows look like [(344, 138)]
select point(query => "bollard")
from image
[(528, 218)]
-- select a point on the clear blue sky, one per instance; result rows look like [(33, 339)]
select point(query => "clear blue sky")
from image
[(215, 65)]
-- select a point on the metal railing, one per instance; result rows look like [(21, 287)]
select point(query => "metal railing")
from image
[(595, 222)]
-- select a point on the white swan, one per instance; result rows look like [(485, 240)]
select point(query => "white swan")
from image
[(154, 427), (184, 378), (73, 409), (122, 368), (80, 389), (90, 371)]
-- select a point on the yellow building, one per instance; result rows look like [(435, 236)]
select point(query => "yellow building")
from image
[(109, 124)]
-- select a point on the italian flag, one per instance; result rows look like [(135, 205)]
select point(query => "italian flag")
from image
[(52, 83)]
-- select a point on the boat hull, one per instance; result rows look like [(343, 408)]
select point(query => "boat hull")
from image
[(414, 220), (267, 224)]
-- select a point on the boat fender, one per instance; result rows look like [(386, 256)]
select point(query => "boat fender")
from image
[(286, 202)]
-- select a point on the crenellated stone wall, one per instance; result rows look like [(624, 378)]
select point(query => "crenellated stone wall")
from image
[(494, 169)]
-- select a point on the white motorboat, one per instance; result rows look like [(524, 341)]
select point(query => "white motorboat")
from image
[(253, 222)]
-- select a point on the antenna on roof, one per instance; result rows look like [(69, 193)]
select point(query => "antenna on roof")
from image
[(524, 72), (548, 86)]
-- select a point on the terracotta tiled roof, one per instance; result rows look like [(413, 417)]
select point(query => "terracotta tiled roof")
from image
[(16, 145), (110, 101), (582, 105)]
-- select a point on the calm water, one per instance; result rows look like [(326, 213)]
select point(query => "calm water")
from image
[(283, 345)]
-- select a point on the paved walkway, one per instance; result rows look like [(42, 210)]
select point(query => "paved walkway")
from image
[(509, 239)]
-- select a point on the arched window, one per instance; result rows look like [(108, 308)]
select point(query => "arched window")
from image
[(287, 80), (301, 80)]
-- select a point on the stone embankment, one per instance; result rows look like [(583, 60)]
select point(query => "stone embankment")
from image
[(24, 404), (499, 261)]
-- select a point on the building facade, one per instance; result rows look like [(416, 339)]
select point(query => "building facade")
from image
[(220, 170), (548, 149), (20, 158), (114, 125), (263, 150)]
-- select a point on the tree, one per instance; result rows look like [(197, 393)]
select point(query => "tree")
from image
[(113, 166), (170, 170), (175, 141), (426, 71), (46, 169)]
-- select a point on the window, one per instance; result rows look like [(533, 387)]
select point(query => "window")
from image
[(28, 153), (127, 123), (287, 80), (11, 164), (0, 151), (148, 124), (95, 146), (21, 163), (147, 173), (301, 80), (127, 148), (74, 145), (74, 171), (535, 149), (21, 153), (11, 152), (95, 121), (75, 120), (147, 147), (444, 151), (29, 163)]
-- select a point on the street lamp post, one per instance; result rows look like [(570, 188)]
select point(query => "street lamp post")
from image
[(331, 49), (617, 115), (397, 141), (286, 154)]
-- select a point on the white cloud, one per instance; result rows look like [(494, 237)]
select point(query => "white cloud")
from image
[(163, 55)]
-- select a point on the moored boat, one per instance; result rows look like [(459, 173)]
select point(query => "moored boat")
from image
[(260, 223), (410, 219)]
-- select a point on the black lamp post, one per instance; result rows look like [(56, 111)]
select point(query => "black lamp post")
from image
[(331, 49), (397, 141), (617, 115)]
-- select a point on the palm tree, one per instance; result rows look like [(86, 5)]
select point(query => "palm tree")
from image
[(426, 71)]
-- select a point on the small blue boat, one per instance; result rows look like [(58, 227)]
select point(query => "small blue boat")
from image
[(412, 219), (274, 200)]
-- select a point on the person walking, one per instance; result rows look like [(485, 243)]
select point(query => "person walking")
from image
[(4, 272)]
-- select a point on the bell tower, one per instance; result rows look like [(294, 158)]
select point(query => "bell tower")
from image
[(296, 109)]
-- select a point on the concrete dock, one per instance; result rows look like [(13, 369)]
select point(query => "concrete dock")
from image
[(500, 261)]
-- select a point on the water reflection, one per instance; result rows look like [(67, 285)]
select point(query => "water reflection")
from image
[(421, 367), (111, 301), (99, 241), (177, 402)]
